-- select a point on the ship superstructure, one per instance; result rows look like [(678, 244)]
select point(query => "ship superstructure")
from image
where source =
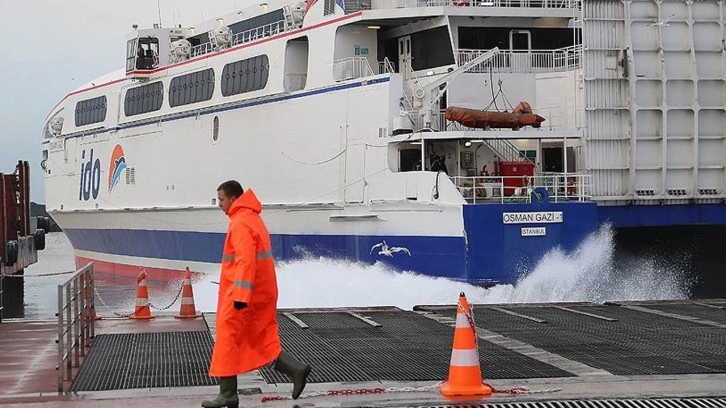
[(462, 139)]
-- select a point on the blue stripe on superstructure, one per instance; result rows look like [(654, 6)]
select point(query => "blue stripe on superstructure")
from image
[(435, 256), (231, 106)]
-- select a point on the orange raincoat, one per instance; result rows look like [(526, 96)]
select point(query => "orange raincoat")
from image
[(246, 339)]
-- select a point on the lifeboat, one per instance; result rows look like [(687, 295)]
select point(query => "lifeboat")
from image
[(483, 119)]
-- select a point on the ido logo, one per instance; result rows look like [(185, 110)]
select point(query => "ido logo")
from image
[(90, 177)]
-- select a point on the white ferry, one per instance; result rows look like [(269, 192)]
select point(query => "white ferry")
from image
[(453, 138)]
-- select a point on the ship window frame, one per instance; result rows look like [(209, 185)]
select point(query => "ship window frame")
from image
[(215, 128), (191, 88), (144, 99), (90, 111), (48, 128), (236, 79), (131, 54)]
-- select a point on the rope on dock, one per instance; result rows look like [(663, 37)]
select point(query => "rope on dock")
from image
[(41, 275)]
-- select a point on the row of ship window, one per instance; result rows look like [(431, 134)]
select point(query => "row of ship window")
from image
[(237, 77)]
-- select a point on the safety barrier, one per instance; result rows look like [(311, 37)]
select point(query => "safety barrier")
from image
[(560, 187), (76, 316)]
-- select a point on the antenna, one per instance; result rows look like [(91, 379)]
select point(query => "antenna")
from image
[(158, 7)]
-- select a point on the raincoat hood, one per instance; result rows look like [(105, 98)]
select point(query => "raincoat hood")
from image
[(248, 200)]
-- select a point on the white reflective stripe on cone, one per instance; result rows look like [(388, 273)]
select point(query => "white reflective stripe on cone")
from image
[(141, 302), (462, 322), (464, 358), (187, 301)]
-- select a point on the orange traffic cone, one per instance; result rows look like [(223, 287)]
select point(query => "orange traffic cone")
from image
[(464, 372), (142, 299), (187, 310)]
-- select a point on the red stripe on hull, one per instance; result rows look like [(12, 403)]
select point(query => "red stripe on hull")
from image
[(132, 271)]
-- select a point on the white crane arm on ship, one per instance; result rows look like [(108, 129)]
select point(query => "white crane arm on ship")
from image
[(431, 91)]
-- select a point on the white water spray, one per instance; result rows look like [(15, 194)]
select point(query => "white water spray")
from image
[(587, 274)]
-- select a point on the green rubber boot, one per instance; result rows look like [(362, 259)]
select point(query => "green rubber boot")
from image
[(298, 371), (227, 394)]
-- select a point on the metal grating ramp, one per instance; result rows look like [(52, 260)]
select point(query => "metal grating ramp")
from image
[(405, 347), (146, 360), (609, 403), (632, 344)]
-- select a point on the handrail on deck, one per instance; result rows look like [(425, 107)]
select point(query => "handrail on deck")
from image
[(76, 322), (538, 4), (524, 61), (560, 187), (351, 68)]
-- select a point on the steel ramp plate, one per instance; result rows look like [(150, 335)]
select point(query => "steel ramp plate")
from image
[(405, 347), (633, 343), (146, 360), (609, 403)]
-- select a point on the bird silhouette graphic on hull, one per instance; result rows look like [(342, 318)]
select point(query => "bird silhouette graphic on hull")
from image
[(389, 251)]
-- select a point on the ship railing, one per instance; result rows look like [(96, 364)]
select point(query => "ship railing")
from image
[(524, 61), (201, 49), (539, 4), (351, 68), (246, 36), (559, 187), (76, 317), (352, 6), (386, 66)]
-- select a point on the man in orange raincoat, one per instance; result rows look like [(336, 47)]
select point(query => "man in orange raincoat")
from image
[(247, 333)]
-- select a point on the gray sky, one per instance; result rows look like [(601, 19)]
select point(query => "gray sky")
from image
[(50, 47)]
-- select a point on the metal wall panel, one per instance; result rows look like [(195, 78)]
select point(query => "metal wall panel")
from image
[(655, 86)]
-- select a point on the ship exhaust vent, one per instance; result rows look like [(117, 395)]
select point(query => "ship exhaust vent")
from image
[(707, 191), (677, 192), (645, 192)]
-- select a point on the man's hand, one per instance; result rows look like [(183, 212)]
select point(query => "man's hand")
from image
[(240, 305)]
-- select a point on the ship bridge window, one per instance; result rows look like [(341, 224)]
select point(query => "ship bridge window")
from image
[(245, 76), (142, 53), (191, 88), (90, 111), (144, 99)]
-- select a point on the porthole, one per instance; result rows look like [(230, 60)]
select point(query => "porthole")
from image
[(215, 129)]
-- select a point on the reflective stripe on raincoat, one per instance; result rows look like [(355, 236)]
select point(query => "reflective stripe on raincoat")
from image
[(246, 339)]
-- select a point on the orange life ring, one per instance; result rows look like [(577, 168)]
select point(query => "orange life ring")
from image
[(459, 3)]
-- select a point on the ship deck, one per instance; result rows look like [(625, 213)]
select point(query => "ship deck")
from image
[(633, 354)]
